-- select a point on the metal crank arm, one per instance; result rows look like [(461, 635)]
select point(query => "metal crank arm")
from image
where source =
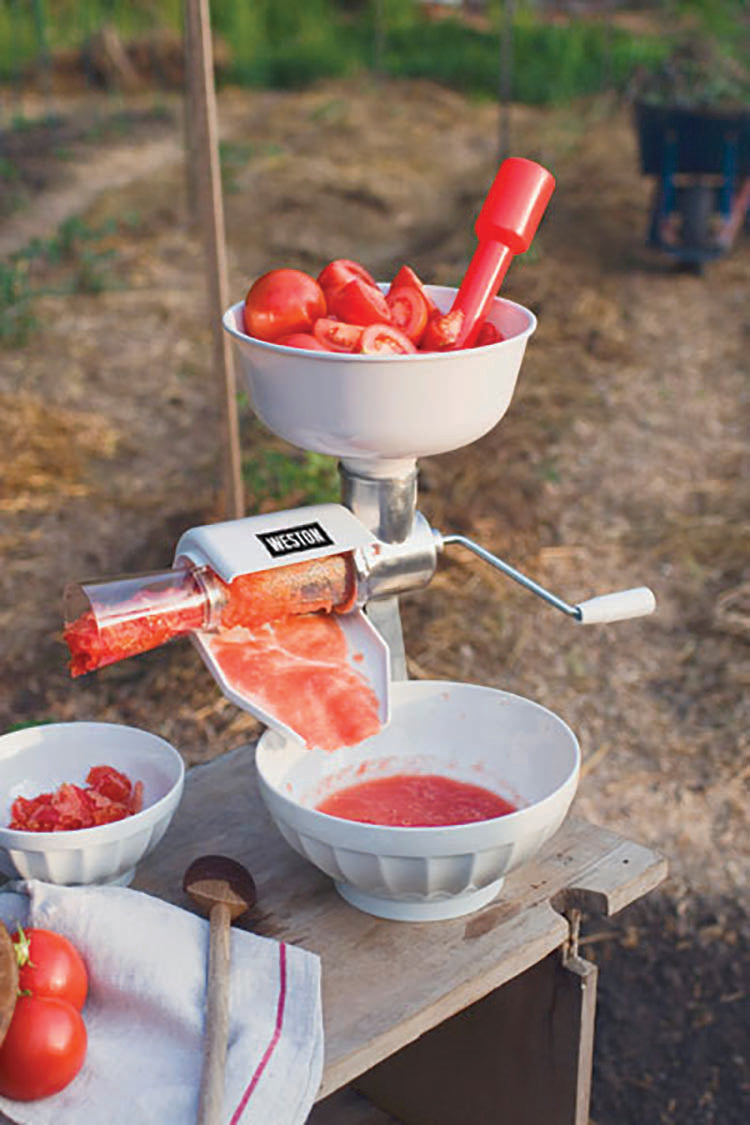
[(617, 606)]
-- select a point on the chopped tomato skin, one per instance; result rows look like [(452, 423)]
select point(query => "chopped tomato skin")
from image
[(359, 303), (385, 339), (409, 310), (336, 335), (109, 795)]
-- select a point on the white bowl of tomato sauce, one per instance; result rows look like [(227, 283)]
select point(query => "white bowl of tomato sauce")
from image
[(384, 407), (476, 750), (124, 782)]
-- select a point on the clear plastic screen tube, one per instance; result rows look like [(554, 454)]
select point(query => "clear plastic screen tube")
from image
[(117, 618), (120, 617)]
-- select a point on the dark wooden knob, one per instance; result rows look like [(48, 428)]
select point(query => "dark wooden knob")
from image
[(213, 879)]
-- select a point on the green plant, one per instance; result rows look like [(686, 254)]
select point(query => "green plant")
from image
[(292, 479), (28, 723), (697, 72), (298, 41), (72, 260), (16, 318)]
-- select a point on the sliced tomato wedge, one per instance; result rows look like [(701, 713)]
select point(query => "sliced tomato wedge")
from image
[(357, 302), (407, 276), (302, 340), (385, 339), (442, 331), (341, 270), (337, 335), (489, 333), (409, 310)]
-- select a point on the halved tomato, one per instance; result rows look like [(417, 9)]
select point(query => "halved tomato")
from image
[(442, 331), (301, 340), (357, 302), (341, 270), (407, 276), (409, 310), (337, 335), (385, 339)]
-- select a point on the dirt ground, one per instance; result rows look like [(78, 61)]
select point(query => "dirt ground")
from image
[(622, 461)]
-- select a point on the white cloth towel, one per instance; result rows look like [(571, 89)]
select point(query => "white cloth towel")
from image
[(144, 1014)]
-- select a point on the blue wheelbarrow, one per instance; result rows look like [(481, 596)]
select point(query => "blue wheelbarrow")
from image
[(701, 161)]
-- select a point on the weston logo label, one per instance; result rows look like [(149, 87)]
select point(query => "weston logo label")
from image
[(289, 540)]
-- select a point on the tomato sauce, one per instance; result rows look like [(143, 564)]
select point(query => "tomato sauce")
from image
[(298, 669), (415, 801)]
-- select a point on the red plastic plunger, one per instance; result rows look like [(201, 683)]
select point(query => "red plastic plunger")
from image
[(506, 226), (112, 620)]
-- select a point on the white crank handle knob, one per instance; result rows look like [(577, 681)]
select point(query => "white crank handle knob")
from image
[(618, 606)]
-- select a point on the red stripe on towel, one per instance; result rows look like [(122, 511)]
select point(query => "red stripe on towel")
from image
[(272, 1044)]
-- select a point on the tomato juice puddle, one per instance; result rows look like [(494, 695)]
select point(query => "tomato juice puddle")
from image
[(415, 801), (299, 670)]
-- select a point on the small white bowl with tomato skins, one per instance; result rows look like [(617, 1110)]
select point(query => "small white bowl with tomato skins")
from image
[(124, 784)]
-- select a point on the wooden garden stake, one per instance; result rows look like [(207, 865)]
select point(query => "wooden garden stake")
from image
[(505, 85), (205, 177)]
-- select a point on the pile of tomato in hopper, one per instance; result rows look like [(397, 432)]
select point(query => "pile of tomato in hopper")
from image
[(345, 310)]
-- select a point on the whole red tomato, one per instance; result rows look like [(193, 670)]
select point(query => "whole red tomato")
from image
[(282, 302), (50, 966), (43, 1049)]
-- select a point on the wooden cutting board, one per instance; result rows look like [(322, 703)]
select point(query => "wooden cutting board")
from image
[(8, 980)]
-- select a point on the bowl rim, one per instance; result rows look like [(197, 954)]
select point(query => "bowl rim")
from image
[(66, 838), (229, 315), (398, 833)]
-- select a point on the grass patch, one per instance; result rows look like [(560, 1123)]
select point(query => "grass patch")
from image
[(289, 479), (76, 259), (292, 44), (235, 155)]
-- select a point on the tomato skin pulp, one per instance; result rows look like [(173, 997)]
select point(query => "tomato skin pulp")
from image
[(43, 1049), (281, 302), (71, 806), (415, 801), (54, 968)]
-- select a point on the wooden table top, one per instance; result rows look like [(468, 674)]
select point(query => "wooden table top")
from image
[(385, 983)]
